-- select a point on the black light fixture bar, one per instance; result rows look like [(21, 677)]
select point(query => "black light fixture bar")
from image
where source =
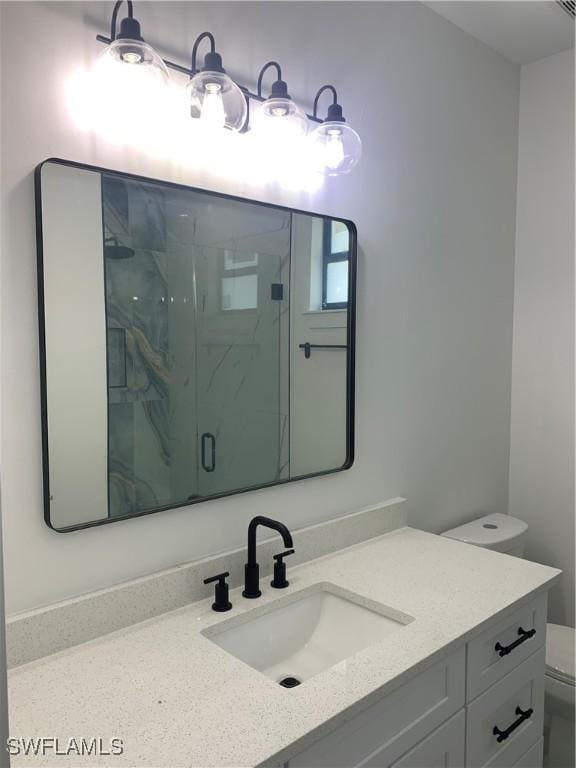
[(191, 72)]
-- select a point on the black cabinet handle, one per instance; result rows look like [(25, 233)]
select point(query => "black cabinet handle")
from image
[(210, 466), (504, 650), (523, 715)]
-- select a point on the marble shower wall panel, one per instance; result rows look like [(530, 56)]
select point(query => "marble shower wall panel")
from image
[(137, 306), (115, 205), (121, 487), (147, 217)]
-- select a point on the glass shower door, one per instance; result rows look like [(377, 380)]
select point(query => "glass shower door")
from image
[(242, 350), (198, 345)]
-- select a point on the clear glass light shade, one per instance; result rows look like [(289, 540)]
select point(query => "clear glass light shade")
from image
[(279, 117), (216, 101), (336, 147), (129, 91), (138, 56)]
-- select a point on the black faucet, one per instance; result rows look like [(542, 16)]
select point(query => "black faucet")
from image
[(252, 569)]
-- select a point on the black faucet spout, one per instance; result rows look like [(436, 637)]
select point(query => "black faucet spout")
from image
[(252, 569), (267, 522)]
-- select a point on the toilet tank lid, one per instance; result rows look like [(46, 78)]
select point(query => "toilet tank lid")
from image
[(560, 652), (488, 531)]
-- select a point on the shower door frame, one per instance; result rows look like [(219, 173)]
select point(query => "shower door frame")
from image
[(350, 340)]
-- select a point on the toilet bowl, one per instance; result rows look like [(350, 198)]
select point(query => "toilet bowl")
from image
[(507, 534)]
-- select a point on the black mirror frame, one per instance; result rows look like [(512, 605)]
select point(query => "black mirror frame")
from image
[(351, 341)]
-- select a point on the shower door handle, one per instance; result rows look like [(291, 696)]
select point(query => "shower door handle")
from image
[(208, 454)]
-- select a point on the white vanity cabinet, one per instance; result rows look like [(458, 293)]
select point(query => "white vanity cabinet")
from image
[(480, 707)]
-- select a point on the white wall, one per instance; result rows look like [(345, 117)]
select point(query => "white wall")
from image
[(542, 429), (434, 202)]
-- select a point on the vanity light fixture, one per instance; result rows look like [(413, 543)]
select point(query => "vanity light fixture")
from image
[(128, 50), (337, 146), (215, 99), (139, 80), (278, 115)]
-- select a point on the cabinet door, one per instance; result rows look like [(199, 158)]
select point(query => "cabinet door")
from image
[(386, 730), (444, 748)]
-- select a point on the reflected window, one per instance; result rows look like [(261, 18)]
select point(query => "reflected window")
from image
[(240, 292), (335, 265), (239, 260), (240, 280)]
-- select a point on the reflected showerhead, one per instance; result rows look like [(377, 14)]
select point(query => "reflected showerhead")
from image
[(112, 250)]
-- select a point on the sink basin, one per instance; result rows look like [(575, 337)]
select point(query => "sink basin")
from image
[(306, 633)]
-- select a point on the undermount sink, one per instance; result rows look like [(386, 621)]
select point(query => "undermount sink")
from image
[(307, 633)]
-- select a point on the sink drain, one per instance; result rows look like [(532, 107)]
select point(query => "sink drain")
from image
[(289, 682)]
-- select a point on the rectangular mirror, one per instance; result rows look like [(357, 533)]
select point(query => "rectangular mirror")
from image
[(193, 345)]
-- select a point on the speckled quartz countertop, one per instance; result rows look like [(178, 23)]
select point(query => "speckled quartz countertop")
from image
[(177, 699)]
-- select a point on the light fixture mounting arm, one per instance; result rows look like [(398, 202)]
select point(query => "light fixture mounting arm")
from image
[(212, 60), (334, 110), (279, 88), (115, 13)]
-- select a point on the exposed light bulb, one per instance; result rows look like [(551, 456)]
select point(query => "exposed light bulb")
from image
[(335, 146), (334, 149), (279, 119), (131, 57), (216, 102), (212, 112)]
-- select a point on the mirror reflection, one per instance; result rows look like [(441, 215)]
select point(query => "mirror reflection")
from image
[(194, 345)]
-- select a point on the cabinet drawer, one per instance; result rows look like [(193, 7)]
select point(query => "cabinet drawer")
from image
[(444, 748), (381, 734), (486, 665), (501, 707), (532, 758)]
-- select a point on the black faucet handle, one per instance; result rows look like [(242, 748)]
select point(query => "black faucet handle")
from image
[(219, 577), (281, 555), (221, 602), (280, 581)]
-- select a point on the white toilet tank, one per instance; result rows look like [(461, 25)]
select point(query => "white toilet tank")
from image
[(499, 532)]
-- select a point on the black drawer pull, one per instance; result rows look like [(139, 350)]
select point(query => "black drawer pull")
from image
[(504, 650), (523, 715)]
